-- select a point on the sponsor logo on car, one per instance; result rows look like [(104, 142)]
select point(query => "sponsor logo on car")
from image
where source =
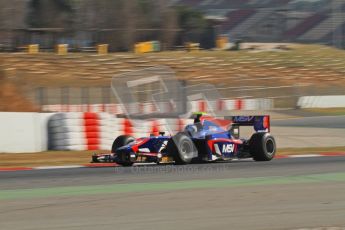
[(228, 148), (243, 118)]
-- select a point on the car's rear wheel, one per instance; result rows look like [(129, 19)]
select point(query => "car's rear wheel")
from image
[(262, 146), (121, 141), (182, 149)]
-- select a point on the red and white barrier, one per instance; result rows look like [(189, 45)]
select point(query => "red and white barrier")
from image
[(147, 108), (97, 131)]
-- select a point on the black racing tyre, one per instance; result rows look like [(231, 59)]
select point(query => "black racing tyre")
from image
[(182, 149), (262, 146), (122, 141)]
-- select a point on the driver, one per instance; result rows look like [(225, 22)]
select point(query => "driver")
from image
[(197, 122)]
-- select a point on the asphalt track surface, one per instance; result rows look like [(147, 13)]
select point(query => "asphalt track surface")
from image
[(335, 122), (282, 194), (322, 131)]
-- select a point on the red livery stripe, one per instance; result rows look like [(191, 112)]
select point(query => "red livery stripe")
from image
[(235, 141)]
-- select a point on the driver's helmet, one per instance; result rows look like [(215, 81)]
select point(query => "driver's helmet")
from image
[(191, 129)]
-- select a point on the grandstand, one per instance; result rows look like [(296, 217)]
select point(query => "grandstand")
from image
[(236, 17), (256, 17), (252, 19), (308, 21), (336, 35), (306, 25), (328, 25)]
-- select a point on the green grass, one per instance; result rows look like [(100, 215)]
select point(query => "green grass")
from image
[(16, 194)]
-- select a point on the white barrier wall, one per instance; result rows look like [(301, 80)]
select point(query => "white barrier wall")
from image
[(334, 101), (23, 132), (37, 132)]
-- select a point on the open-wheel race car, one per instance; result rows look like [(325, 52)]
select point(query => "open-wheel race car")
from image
[(206, 140)]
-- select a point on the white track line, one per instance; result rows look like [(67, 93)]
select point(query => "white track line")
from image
[(60, 167)]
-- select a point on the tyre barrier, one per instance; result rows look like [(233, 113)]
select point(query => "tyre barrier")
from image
[(147, 108), (97, 131)]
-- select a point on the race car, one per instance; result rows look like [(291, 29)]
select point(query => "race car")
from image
[(206, 140)]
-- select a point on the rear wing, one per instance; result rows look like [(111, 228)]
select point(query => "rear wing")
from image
[(259, 123)]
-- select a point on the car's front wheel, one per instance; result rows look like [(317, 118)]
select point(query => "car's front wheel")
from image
[(182, 148), (121, 141)]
